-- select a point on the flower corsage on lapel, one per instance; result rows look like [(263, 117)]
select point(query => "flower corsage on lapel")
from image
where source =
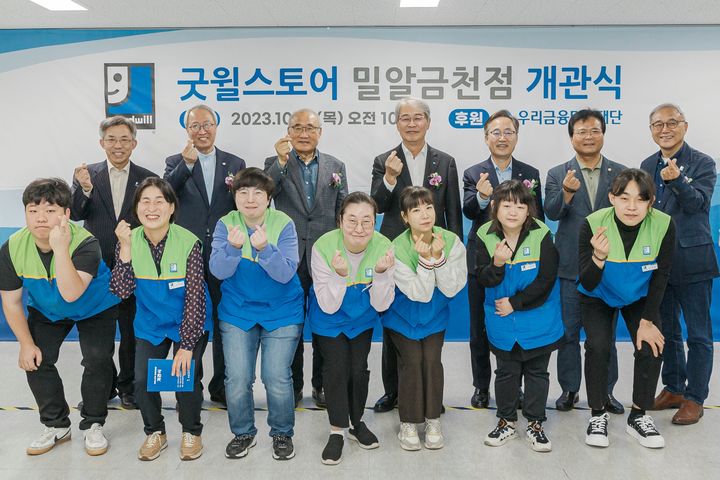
[(531, 184), (336, 180), (435, 180), (229, 180)]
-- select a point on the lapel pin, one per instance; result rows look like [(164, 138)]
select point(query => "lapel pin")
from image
[(224, 164), (609, 169)]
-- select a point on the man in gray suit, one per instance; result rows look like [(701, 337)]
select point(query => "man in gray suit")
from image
[(574, 190), (310, 187)]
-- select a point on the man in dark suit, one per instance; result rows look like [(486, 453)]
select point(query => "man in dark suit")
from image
[(501, 136), (102, 195), (685, 179), (310, 187), (201, 176), (413, 162), (574, 190)]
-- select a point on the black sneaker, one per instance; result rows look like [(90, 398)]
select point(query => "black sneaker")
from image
[(501, 434), (239, 446), (332, 454), (537, 438), (283, 447), (642, 428), (596, 434), (365, 438)]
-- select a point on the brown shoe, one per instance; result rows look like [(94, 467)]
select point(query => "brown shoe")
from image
[(667, 400), (190, 447), (153, 445), (689, 413)]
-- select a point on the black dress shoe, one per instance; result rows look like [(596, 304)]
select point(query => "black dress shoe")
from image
[(127, 401), (318, 395), (480, 399), (219, 397), (521, 398), (613, 406), (386, 403), (567, 401), (298, 398)]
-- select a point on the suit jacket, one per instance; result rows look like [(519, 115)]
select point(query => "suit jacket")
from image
[(98, 211), (471, 207), (571, 216), (446, 199), (195, 212), (318, 219), (687, 200)]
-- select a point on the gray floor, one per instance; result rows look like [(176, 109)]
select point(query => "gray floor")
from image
[(691, 451)]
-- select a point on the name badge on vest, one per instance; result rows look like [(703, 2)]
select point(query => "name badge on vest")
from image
[(369, 272), (528, 266), (178, 284), (646, 250), (526, 252), (649, 267), (173, 267)]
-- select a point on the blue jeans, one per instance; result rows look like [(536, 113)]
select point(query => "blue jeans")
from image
[(690, 378), (569, 362), (241, 349)]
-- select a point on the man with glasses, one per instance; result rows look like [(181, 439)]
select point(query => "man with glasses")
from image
[(102, 196), (309, 187), (201, 176), (574, 190), (501, 136), (413, 162), (685, 179)]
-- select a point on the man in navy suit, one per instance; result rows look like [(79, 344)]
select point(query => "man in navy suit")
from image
[(501, 136), (685, 179), (573, 190), (413, 162), (102, 195), (201, 176)]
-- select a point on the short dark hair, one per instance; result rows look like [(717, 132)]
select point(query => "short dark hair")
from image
[(412, 196), (253, 177), (645, 182), (115, 121), (356, 198), (502, 114), (165, 188), (584, 114), (512, 191), (51, 190)]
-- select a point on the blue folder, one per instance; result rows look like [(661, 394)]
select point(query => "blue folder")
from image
[(160, 378)]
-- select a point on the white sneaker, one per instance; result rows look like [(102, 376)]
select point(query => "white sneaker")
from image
[(597, 434), (408, 436), (501, 434), (95, 441), (48, 439), (433, 434), (537, 438), (643, 430)]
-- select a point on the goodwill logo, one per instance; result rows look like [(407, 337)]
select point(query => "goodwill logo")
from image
[(130, 92)]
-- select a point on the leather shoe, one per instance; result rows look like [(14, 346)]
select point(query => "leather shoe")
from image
[(127, 401), (318, 395), (666, 400), (521, 399), (219, 398), (480, 399), (567, 401), (298, 398), (386, 403), (689, 413), (613, 406)]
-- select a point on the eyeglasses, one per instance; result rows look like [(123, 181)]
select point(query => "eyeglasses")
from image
[(595, 132), (207, 126), (366, 224), (406, 119), (670, 124), (505, 133), (111, 141), (298, 129)]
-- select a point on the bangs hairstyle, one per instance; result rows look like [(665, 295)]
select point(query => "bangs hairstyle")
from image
[(512, 191), (54, 191), (646, 184), (356, 198), (253, 177), (412, 197), (165, 188)]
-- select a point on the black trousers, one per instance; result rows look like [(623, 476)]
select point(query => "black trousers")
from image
[(216, 387), (421, 376), (123, 380), (511, 370), (97, 342), (299, 360), (479, 345), (150, 403), (389, 364), (597, 319), (346, 376)]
